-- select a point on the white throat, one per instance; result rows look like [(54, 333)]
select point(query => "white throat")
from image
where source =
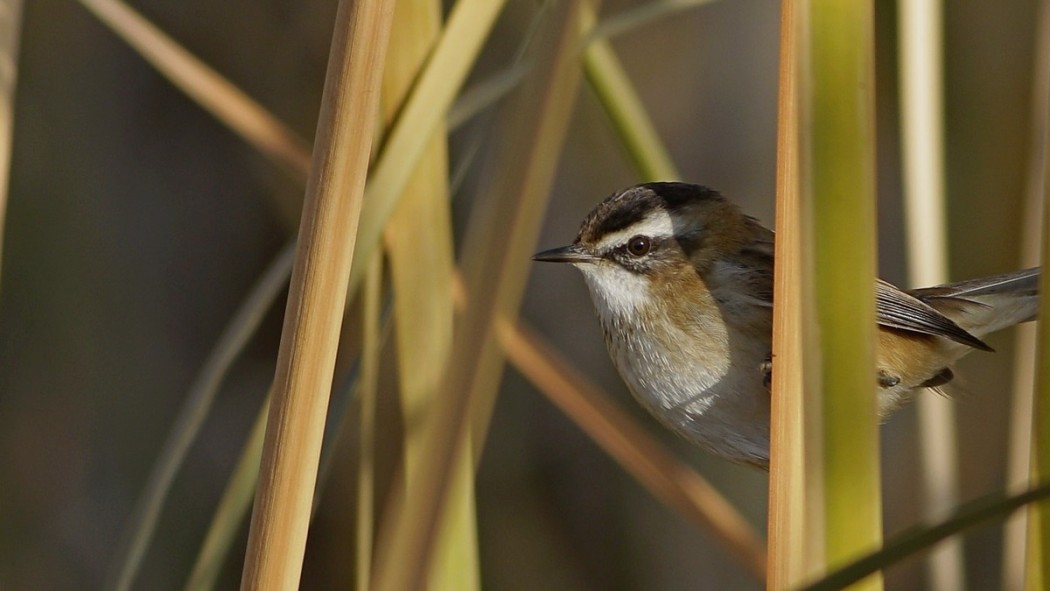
[(705, 391)]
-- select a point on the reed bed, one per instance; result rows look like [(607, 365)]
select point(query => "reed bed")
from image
[(396, 434)]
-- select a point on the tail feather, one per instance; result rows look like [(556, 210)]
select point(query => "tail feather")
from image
[(985, 305)]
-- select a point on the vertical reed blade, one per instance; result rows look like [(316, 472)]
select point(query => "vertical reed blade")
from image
[(1039, 569), (468, 25), (1021, 537), (787, 484), (497, 247), (277, 538), (370, 349), (10, 33), (839, 184), (419, 244), (922, 147)]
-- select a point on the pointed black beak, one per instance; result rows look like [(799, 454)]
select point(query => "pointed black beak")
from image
[(566, 254)]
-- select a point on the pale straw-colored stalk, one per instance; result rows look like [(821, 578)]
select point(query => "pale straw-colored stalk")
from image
[(922, 134), (838, 192), (1018, 546), (1039, 543), (331, 210), (419, 245), (10, 34), (364, 525), (497, 247), (468, 24), (791, 552)]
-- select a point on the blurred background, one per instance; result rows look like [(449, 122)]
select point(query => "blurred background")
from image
[(137, 223)]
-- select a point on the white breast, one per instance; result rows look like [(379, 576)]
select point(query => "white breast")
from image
[(698, 382)]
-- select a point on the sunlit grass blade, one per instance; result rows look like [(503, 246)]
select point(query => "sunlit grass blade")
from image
[(420, 250), (917, 539), (370, 348), (501, 236), (607, 77), (191, 418), (232, 509), (1018, 555), (332, 207), (922, 132), (791, 551), (211, 91), (10, 34), (838, 172), (1039, 543), (468, 25), (674, 483)]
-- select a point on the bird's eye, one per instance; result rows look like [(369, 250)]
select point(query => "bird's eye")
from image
[(639, 246)]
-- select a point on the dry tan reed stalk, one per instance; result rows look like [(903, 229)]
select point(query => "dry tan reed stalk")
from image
[(497, 248), (10, 33), (787, 539), (277, 538), (364, 525), (922, 133), (1038, 571), (418, 242), (418, 237), (1016, 532), (469, 23)]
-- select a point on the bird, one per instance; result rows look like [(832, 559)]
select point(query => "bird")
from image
[(682, 283)]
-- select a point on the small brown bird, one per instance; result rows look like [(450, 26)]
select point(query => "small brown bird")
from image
[(682, 282)]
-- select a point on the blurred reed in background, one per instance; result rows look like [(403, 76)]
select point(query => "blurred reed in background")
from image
[(144, 250)]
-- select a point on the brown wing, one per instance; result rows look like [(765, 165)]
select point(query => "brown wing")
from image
[(897, 309)]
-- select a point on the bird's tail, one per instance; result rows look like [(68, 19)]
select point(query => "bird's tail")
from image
[(982, 306)]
